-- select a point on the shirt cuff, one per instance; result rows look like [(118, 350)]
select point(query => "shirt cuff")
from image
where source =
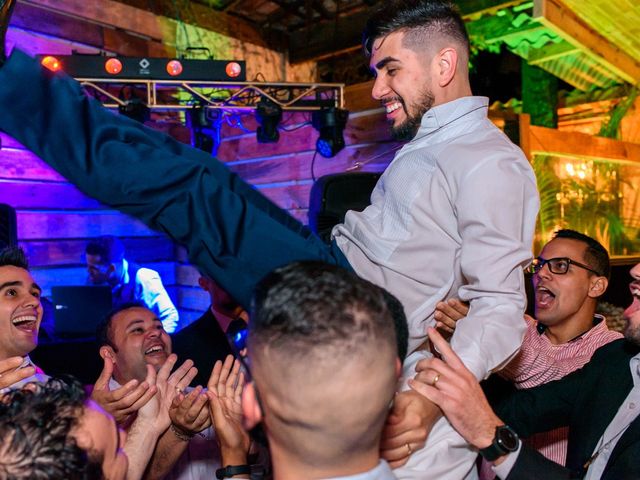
[(504, 469)]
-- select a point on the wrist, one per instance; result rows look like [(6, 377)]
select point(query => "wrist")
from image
[(180, 433)]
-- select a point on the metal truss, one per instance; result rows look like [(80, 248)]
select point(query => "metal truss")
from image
[(240, 96)]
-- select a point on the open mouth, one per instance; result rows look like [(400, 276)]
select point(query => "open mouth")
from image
[(155, 349), (544, 297), (26, 323)]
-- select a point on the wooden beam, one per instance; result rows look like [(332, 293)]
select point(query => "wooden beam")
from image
[(568, 25), (549, 141), (132, 16), (346, 32), (551, 52)]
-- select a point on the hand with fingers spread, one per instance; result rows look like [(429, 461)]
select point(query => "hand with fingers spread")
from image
[(190, 413), (169, 385), (11, 373), (225, 394), (451, 386), (123, 401), (448, 313), (407, 428)]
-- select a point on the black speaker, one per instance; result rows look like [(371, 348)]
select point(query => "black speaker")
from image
[(8, 226), (332, 195)]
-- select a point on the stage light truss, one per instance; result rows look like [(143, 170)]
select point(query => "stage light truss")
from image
[(240, 96)]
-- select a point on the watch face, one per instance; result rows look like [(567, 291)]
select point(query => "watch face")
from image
[(507, 438)]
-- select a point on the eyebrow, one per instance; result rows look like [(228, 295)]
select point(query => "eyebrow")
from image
[(139, 320), (384, 62), (18, 283)]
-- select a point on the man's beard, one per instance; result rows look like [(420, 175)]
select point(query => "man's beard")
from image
[(632, 333), (408, 129)]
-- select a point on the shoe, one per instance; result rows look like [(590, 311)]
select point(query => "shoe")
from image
[(6, 9)]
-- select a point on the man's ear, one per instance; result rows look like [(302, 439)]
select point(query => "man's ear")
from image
[(447, 63), (251, 408), (398, 368), (106, 351), (598, 286)]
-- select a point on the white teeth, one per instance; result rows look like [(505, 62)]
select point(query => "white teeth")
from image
[(392, 107), (23, 319), (157, 348)]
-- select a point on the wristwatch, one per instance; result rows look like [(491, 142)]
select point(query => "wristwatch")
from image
[(232, 470), (505, 441)]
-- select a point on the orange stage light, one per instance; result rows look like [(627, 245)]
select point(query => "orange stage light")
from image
[(113, 66), (174, 68), (233, 69), (52, 63)]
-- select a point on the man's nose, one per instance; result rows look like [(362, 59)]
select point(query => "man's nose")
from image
[(380, 88)]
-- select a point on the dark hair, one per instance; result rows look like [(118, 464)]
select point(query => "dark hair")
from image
[(399, 322), (13, 256), (306, 304), (596, 255), (422, 17), (103, 330), (35, 426), (109, 248)]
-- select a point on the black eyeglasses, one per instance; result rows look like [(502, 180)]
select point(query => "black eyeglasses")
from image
[(559, 265)]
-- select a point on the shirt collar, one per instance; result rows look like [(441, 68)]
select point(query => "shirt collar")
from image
[(634, 364), (445, 114)]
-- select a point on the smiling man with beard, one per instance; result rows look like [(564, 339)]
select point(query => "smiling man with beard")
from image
[(20, 317)]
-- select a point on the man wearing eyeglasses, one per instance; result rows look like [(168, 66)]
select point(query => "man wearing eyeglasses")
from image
[(600, 404), (570, 274)]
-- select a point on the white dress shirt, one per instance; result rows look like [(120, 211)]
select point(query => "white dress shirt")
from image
[(452, 216)]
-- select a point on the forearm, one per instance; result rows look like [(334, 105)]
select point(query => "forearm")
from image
[(141, 442), (166, 454)]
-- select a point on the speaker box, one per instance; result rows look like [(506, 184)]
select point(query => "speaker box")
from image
[(8, 226), (332, 195)]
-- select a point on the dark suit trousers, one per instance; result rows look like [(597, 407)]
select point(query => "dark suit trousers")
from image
[(232, 232)]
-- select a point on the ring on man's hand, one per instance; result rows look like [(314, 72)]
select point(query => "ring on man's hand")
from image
[(179, 390), (410, 449), (435, 380)]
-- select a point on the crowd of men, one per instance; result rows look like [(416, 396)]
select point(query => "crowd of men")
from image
[(349, 379)]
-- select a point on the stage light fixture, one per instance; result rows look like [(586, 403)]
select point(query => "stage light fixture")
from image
[(205, 128), (233, 69), (174, 68), (113, 66), (269, 115), (330, 122), (52, 63)]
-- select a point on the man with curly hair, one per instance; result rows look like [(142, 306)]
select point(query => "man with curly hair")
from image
[(52, 431)]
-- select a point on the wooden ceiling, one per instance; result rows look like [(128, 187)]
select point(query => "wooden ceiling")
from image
[(587, 43)]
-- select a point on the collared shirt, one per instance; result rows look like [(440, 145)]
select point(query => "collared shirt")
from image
[(627, 413), (149, 290), (38, 377), (539, 361), (381, 472), (453, 215)]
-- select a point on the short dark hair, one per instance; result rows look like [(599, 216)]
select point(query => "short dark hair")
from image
[(103, 330), (400, 323), (422, 17), (36, 423), (311, 303), (14, 257), (109, 248), (596, 255)]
